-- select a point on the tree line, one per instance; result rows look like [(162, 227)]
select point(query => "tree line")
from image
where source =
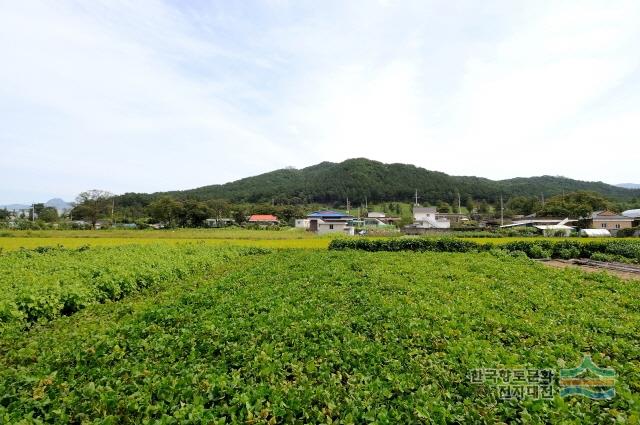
[(93, 206)]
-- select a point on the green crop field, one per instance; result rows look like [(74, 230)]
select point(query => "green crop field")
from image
[(194, 333)]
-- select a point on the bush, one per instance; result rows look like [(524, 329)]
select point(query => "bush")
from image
[(565, 249), (627, 233), (408, 244), (537, 252)]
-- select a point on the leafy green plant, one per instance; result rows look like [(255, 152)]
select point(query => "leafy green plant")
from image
[(47, 282), (304, 336)]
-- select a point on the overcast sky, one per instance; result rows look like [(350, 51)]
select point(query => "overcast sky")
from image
[(150, 95)]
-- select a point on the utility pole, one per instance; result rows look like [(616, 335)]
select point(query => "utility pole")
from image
[(543, 199), (416, 203), (459, 206), (501, 212), (113, 209), (348, 206), (366, 205)]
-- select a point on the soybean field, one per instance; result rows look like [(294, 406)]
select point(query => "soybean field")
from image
[(193, 333)]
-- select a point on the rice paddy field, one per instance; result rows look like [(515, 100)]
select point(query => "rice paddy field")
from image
[(290, 238), (182, 328), (287, 238)]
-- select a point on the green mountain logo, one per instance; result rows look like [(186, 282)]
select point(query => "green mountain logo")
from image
[(588, 380)]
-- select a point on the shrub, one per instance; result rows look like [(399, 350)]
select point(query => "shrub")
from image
[(408, 244), (537, 252), (627, 233), (565, 249)]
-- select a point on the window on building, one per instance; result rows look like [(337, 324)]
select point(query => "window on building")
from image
[(331, 226), (617, 226), (604, 225)]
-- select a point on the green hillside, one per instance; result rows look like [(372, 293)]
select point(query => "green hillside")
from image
[(329, 182)]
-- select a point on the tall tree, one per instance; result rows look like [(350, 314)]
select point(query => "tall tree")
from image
[(523, 205), (165, 210), (469, 204), (443, 207), (575, 205), (48, 214), (93, 205), (220, 208), (193, 213)]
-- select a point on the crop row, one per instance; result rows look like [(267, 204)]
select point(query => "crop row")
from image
[(566, 249), (45, 283)]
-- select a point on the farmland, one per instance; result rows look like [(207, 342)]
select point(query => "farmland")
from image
[(193, 333), (289, 238), (279, 239)]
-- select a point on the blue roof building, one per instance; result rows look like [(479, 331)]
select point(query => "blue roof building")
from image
[(327, 221), (329, 214)]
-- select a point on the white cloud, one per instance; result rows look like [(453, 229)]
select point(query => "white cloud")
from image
[(113, 105), (151, 96)]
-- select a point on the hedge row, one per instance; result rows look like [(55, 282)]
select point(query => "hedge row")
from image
[(408, 244), (565, 249)]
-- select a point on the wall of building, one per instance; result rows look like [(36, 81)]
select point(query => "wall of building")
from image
[(612, 225), (302, 223), (344, 228)]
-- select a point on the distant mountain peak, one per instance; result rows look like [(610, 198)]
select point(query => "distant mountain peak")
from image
[(56, 203)]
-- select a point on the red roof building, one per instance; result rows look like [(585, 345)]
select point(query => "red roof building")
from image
[(264, 219)]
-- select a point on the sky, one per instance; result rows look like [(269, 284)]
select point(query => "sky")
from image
[(145, 95)]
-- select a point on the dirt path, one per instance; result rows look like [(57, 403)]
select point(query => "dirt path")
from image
[(599, 267)]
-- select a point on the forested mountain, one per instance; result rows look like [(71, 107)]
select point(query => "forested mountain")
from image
[(329, 183)]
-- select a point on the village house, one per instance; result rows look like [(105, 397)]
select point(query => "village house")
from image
[(327, 221), (429, 218), (608, 220), (454, 218), (381, 218), (264, 220), (219, 222), (302, 223)]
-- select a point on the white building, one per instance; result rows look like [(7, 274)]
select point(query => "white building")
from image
[(323, 222), (302, 223), (376, 214), (426, 218), (333, 226)]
